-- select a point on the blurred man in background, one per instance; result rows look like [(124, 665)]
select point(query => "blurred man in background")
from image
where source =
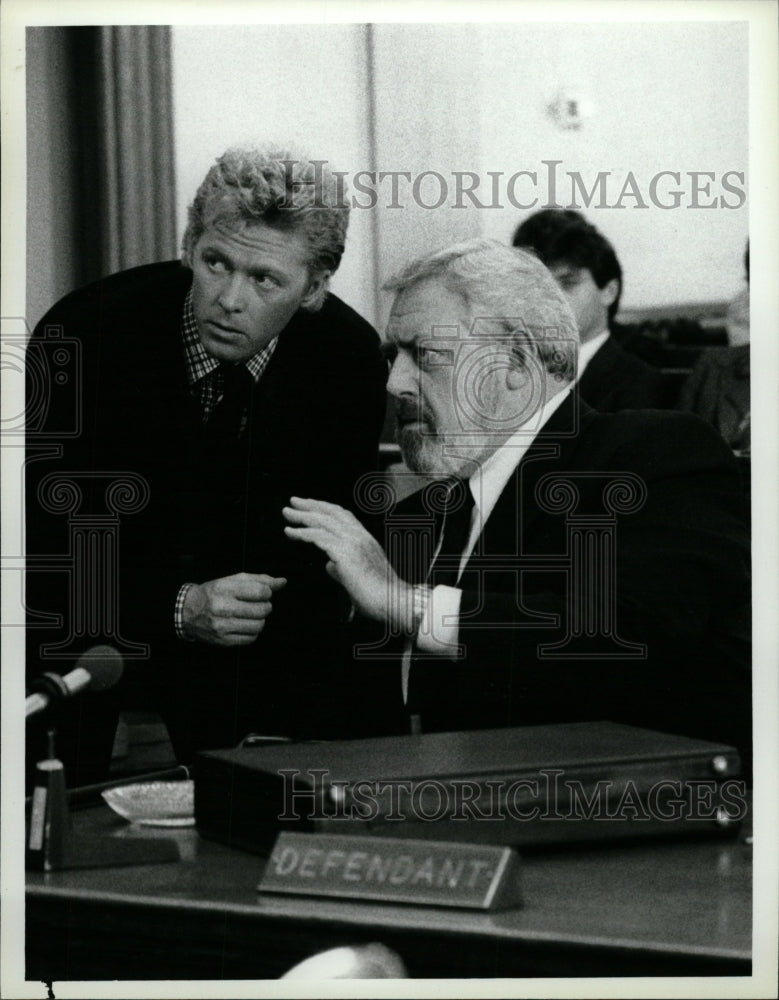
[(718, 388), (586, 268)]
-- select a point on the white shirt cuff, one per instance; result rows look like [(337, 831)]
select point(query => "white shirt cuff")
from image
[(439, 629)]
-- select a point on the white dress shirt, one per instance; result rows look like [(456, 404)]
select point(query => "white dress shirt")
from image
[(439, 630)]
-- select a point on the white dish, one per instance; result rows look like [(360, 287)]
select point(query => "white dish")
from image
[(154, 803)]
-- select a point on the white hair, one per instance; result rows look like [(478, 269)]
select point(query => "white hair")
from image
[(511, 290)]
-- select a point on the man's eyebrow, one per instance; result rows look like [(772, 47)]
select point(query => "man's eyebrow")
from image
[(215, 250), (260, 270), (408, 340), (395, 332)]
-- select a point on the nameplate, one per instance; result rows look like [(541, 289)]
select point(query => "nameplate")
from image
[(393, 870)]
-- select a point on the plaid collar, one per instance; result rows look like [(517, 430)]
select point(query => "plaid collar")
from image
[(200, 363)]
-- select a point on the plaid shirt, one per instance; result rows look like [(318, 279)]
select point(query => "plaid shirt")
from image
[(207, 385), (203, 374)]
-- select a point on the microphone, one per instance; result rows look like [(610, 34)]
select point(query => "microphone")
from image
[(98, 669)]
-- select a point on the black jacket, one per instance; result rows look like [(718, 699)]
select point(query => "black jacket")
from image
[(316, 418), (616, 380), (659, 560)]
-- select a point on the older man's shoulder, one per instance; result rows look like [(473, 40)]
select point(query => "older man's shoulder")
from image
[(656, 438)]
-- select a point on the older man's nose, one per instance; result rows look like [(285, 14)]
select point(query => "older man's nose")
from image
[(403, 376)]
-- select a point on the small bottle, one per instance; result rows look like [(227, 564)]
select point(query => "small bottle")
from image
[(49, 839)]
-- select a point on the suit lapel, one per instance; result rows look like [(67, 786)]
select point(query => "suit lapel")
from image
[(599, 378), (514, 518), (517, 512), (282, 388)]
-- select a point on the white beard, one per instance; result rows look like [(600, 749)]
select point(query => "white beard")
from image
[(428, 454)]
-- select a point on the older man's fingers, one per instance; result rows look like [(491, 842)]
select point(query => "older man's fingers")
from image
[(320, 521), (307, 503), (322, 507), (330, 518), (332, 545), (307, 518), (317, 535)]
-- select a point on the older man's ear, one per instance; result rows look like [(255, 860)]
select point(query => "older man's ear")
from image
[(517, 377)]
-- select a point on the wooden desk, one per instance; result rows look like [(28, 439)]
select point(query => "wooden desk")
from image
[(681, 908)]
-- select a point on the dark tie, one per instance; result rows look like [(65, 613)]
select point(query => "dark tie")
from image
[(226, 422), (454, 532), (429, 673)]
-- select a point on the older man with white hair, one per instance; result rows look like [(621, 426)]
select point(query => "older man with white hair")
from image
[(562, 564)]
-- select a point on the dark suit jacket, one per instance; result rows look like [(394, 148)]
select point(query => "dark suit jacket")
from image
[(316, 417), (615, 380), (665, 586), (718, 391)]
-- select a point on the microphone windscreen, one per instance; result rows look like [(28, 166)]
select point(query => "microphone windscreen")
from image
[(104, 665)]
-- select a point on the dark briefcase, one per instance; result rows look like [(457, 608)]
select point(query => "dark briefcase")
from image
[(534, 785)]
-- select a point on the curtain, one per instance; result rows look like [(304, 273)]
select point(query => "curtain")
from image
[(123, 147)]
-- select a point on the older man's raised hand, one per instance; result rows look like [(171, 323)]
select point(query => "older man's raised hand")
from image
[(356, 560)]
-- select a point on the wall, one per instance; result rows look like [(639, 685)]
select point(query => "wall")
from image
[(665, 97), (473, 97), (427, 118), (468, 97), (296, 85)]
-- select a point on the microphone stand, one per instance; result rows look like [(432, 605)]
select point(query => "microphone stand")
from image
[(52, 844), (50, 832)]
